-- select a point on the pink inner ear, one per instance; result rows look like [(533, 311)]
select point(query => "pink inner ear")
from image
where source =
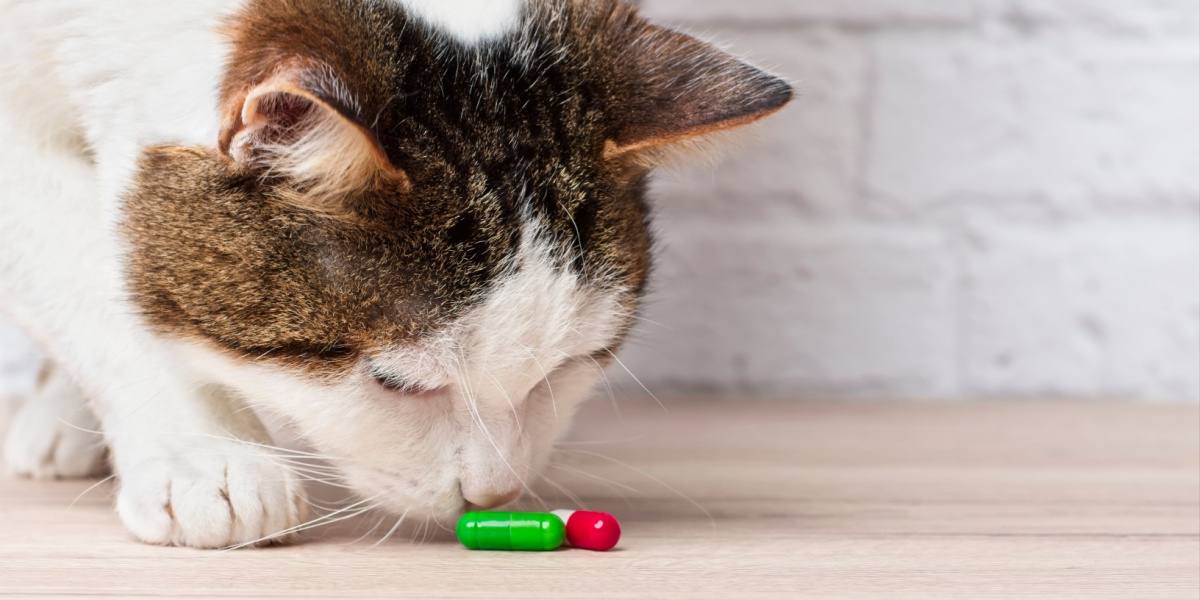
[(290, 132), (273, 118), (277, 110)]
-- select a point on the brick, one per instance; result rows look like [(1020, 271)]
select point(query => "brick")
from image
[(1117, 17), (777, 12), (795, 309), (1175, 17), (1090, 309), (1060, 124)]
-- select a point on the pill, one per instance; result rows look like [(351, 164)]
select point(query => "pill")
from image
[(510, 531), (590, 530)]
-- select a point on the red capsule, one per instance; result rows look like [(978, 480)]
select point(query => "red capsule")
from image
[(590, 530)]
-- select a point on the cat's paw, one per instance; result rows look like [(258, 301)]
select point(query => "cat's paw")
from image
[(43, 443), (214, 497)]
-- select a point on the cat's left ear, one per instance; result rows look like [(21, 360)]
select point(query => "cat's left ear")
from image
[(301, 124), (676, 88)]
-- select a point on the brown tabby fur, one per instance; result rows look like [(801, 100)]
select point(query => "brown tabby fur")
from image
[(546, 126)]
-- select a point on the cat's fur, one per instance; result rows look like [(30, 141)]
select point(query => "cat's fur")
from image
[(412, 228)]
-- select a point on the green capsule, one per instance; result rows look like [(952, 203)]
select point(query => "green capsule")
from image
[(510, 531)]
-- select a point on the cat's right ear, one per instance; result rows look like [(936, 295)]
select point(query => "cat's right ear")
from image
[(301, 124), (675, 88)]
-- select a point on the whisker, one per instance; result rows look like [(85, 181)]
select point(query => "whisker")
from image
[(423, 528), (711, 521), (306, 467), (364, 536), (336, 506), (568, 443), (264, 446), (323, 482), (508, 398), (545, 378), (536, 496), (320, 521), (563, 490), (612, 398), (473, 409), (247, 407), (351, 515), (387, 536), (319, 506), (638, 381), (90, 488), (78, 428), (598, 478), (442, 527), (642, 319)]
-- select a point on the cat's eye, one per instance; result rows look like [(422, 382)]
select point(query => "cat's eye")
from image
[(399, 385), (333, 352)]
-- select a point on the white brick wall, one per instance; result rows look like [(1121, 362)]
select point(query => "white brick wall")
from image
[(970, 199)]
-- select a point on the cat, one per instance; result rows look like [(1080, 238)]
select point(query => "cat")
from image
[(415, 230)]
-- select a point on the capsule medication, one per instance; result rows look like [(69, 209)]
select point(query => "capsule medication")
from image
[(590, 530), (538, 531), (511, 531)]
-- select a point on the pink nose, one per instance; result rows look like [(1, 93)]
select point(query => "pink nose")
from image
[(493, 500)]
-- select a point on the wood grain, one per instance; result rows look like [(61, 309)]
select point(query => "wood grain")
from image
[(736, 500)]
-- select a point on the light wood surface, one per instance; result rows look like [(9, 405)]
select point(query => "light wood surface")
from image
[(733, 500)]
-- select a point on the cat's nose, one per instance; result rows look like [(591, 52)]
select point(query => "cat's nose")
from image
[(488, 500)]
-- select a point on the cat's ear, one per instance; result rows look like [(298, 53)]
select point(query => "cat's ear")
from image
[(302, 124), (677, 88)]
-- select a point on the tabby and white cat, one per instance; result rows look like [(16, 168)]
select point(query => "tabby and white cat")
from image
[(411, 228)]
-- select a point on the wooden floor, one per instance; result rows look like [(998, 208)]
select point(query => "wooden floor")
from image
[(732, 500)]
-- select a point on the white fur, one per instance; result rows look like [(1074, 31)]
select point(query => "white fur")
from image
[(511, 374), (468, 21), (132, 73), (84, 87), (52, 435)]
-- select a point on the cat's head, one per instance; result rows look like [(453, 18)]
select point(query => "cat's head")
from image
[(421, 243)]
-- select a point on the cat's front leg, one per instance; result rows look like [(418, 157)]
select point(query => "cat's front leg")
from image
[(208, 487), (205, 481), (185, 455), (53, 434), (193, 464)]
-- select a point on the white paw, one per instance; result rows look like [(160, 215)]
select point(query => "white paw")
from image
[(215, 496), (44, 443)]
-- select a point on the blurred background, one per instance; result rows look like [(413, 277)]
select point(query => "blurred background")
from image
[(968, 199)]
